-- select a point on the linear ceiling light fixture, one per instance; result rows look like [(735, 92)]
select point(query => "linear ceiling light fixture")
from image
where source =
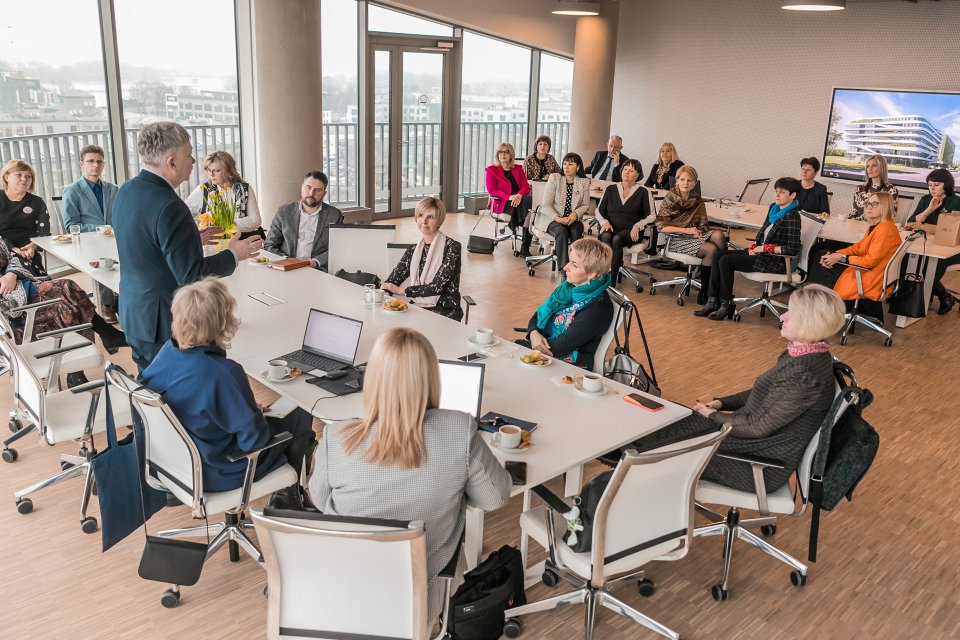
[(576, 8), (814, 5)]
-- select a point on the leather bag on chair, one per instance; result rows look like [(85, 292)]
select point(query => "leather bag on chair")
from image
[(622, 366), (359, 277), (909, 299)]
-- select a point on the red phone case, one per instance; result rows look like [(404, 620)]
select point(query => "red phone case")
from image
[(627, 398)]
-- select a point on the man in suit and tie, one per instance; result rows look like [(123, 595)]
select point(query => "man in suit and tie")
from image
[(159, 244), (302, 229), (88, 202), (606, 164)]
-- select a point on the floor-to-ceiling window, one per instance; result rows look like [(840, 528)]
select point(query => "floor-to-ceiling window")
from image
[(553, 102), (341, 103)]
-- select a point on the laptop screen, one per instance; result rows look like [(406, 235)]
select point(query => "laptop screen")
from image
[(461, 386), (332, 336)]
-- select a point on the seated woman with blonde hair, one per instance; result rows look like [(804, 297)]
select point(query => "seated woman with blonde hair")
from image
[(211, 396), (432, 265), (570, 323), (778, 416), (407, 459)]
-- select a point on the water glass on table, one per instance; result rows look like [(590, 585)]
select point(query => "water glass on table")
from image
[(75, 233)]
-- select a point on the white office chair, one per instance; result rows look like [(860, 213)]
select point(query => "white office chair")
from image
[(810, 226), (501, 230), (645, 514), (547, 252), (891, 281), (753, 190), (783, 501), (622, 307), (173, 464), (338, 577), (58, 417), (361, 247), (903, 208), (687, 281)]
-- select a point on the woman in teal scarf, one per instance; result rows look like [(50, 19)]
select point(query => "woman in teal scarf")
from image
[(570, 323)]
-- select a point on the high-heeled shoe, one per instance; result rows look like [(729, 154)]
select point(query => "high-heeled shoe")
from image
[(712, 305), (111, 337), (726, 310), (946, 304)]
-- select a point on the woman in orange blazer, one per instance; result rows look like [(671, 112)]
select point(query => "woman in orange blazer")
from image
[(873, 252)]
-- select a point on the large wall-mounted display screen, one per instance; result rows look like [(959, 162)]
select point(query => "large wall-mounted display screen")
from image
[(914, 131)]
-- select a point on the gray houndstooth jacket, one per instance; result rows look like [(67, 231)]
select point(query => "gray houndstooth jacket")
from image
[(459, 470)]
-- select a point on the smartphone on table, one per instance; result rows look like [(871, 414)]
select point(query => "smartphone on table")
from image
[(643, 402), (472, 357)]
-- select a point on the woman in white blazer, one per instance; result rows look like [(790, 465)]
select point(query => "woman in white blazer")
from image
[(565, 201)]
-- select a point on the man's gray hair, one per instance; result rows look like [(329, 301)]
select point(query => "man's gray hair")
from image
[(617, 138), (157, 140)]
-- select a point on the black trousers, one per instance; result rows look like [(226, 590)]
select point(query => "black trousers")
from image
[(818, 274), (563, 236), (938, 288), (300, 425), (618, 241), (724, 269), (518, 214)]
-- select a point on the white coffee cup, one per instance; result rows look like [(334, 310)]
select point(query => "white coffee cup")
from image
[(484, 336), (277, 369), (842, 216), (105, 229), (509, 436), (592, 383), (106, 264)]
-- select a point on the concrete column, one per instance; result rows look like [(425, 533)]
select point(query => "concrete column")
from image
[(594, 58), (288, 102)]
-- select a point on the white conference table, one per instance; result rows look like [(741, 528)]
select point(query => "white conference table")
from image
[(751, 216), (92, 247), (573, 428)]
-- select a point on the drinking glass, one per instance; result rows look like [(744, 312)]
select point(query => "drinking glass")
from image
[(75, 233), (369, 296)]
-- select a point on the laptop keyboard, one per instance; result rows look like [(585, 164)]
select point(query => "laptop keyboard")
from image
[(314, 361)]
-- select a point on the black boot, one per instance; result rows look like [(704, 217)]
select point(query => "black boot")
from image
[(76, 379), (525, 243), (946, 304), (287, 499), (726, 310), (704, 284), (111, 337), (712, 305)]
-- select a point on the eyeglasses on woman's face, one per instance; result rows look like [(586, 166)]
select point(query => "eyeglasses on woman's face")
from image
[(503, 151), (872, 204)]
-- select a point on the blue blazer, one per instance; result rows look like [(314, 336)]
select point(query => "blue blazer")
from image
[(80, 206), (159, 247), (211, 396)]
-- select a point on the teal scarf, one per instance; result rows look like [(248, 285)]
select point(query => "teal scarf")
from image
[(567, 294), (776, 212)]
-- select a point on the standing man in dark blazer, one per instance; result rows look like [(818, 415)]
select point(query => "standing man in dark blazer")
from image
[(606, 164), (159, 245), (302, 229)]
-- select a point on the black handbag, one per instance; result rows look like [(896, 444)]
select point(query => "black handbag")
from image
[(172, 561), (359, 277), (480, 244), (492, 587), (909, 299)]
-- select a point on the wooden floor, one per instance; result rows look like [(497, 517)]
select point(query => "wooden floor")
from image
[(889, 561)]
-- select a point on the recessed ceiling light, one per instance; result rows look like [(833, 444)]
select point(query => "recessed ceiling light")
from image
[(814, 5), (576, 8)]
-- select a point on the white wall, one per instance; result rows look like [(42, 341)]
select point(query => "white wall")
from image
[(743, 88), (525, 21)]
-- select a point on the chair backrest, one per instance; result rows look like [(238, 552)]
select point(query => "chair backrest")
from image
[(891, 274), (753, 190), (537, 189), (28, 391), (903, 208), (361, 247), (621, 309), (334, 577), (647, 508), (805, 468), (171, 457), (56, 219), (810, 226), (395, 251), (829, 197)]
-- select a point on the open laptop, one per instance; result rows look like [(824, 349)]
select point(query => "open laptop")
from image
[(329, 342), (461, 386)]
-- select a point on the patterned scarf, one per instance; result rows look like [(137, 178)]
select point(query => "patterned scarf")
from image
[(676, 212), (662, 170), (797, 349), (430, 267)]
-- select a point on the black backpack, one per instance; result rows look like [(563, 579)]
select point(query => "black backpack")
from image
[(844, 455), (495, 585), (580, 539)]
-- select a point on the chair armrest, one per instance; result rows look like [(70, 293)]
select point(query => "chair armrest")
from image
[(94, 386), (857, 267), (280, 438), (35, 305), (468, 300), (520, 329), (552, 500), (58, 332), (62, 350), (450, 571), (752, 460)]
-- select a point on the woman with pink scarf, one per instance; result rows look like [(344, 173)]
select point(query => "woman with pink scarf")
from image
[(432, 265)]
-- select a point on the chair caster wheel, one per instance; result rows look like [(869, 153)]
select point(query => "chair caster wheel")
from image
[(888, 342), (170, 599), (512, 628), (673, 286), (638, 289), (10, 455), (736, 317), (550, 578), (719, 594), (768, 530), (653, 291), (24, 506), (679, 302), (645, 587), (798, 579), (531, 272), (15, 425), (88, 525), (516, 254)]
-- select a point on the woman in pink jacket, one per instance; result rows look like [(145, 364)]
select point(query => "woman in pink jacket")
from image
[(508, 187)]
